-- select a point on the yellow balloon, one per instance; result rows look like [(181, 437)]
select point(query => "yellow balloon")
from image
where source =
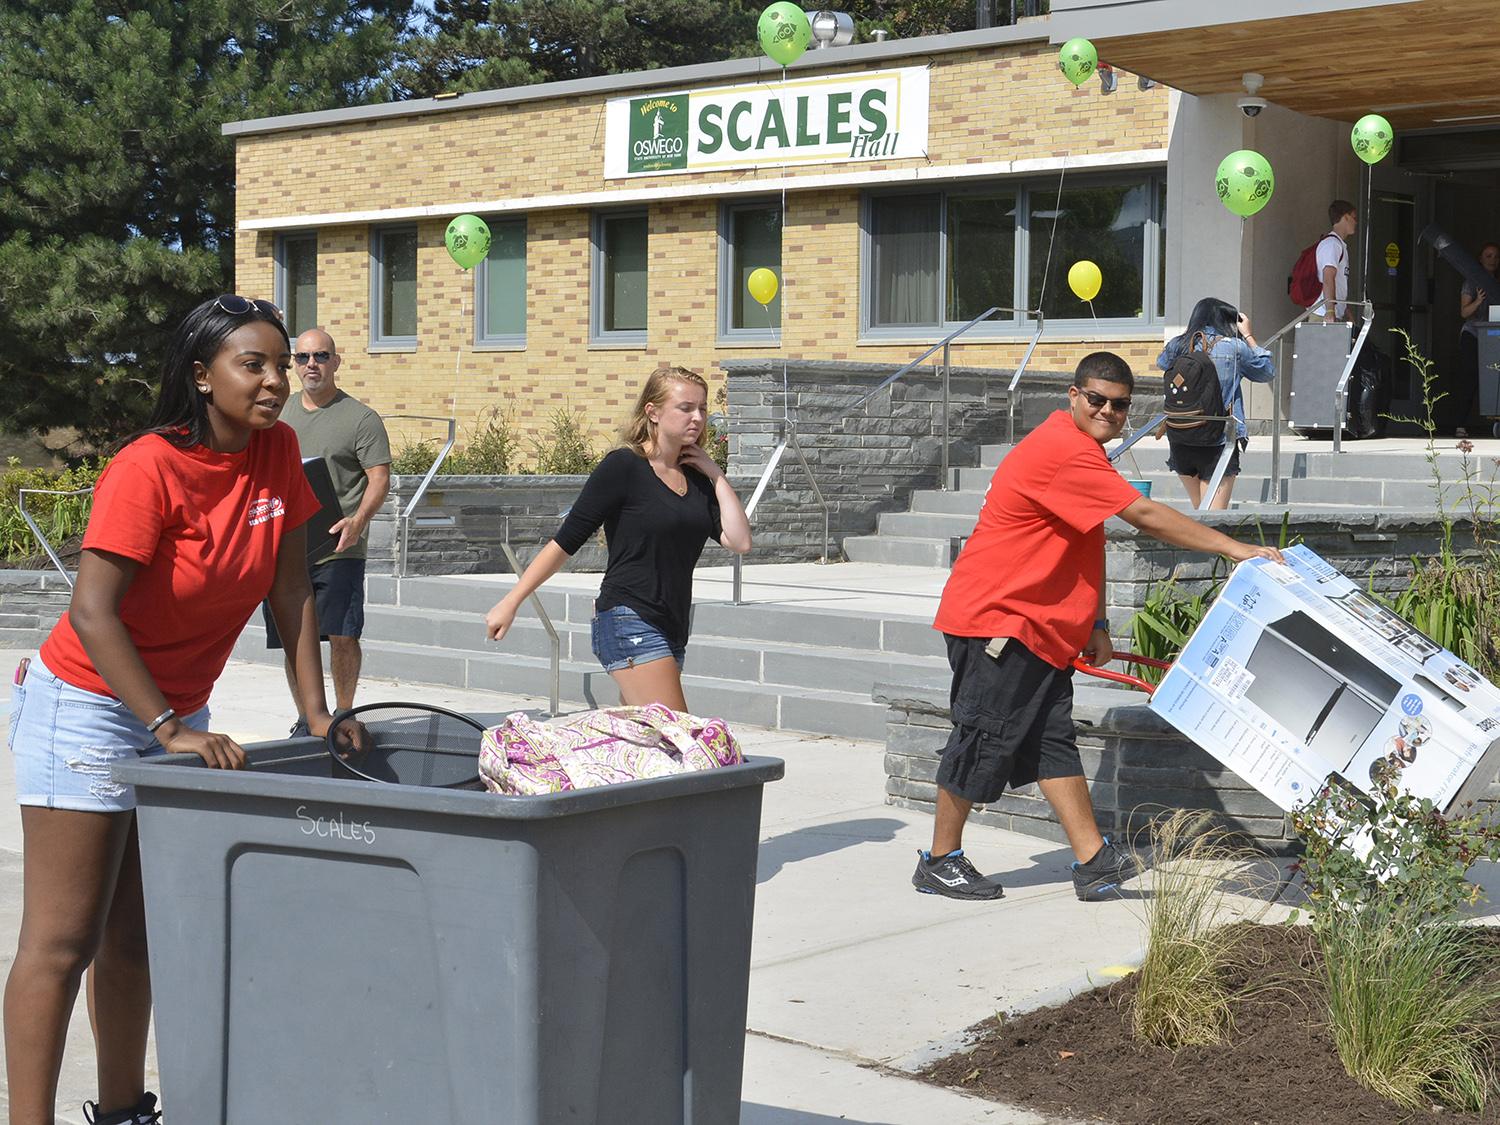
[(1084, 279), (762, 284)]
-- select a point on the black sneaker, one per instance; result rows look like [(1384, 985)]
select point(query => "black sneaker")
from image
[(1100, 877), (300, 729), (144, 1112), (954, 876)]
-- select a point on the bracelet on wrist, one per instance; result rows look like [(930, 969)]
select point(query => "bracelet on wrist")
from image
[(155, 724), (1102, 623)]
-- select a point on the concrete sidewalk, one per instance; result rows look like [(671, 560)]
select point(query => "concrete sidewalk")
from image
[(854, 975)]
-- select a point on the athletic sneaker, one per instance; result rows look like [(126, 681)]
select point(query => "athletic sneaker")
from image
[(954, 876), (144, 1112), (1100, 877), (300, 729)]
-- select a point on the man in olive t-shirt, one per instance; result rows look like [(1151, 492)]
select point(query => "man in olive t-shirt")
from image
[(351, 439)]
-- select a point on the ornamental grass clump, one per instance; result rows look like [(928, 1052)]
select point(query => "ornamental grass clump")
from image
[(1182, 996), (1411, 992)]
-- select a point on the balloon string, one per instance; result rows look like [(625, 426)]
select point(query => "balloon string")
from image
[(1056, 211), (1364, 221), (776, 334), (459, 350), (1092, 313)]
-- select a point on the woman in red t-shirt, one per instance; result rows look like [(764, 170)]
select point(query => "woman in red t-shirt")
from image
[(195, 520)]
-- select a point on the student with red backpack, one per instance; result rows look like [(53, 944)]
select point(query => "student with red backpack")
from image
[(1320, 275), (1203, 369)]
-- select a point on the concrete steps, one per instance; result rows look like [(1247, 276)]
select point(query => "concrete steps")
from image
[(783, 666), (1318, 481)]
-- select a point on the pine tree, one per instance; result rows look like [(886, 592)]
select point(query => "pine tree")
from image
[(117, 187), (481, 46)]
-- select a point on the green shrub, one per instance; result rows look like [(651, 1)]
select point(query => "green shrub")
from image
[(413, 458), (1409, 990), (492, 450), (1182, 993), (1164, 623), (60, 517), (567, 448)]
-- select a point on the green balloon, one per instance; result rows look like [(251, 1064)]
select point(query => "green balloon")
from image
[(1372, 138), (468, 240), (784, 32), (1245, 182), (1077, 60)]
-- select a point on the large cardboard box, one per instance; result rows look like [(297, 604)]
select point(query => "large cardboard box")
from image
[(1296, 676)]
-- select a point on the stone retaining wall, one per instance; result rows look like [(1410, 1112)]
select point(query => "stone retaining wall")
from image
[(867, 459), (1137, 767)]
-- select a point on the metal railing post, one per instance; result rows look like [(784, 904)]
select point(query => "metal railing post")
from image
[(554, 698), (1341, 392), (21, 495), (947, 373), (403, 518), (1278, 338)]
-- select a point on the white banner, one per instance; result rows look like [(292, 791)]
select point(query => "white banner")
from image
[(876, 115)]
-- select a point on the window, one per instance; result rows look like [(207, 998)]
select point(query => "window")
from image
[(749, 238), (1106, 225), (296, 288), (393, 287), (617, 296), (936, 260), (500, 287)]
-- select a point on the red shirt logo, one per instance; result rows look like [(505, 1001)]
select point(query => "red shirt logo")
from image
[(263, 511)]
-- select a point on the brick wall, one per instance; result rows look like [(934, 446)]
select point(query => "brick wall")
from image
[(1000, 103)]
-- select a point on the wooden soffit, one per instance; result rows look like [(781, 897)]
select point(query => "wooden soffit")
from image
[(1423, 64)]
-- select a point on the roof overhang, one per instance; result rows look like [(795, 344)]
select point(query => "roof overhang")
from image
[(1418, 62)]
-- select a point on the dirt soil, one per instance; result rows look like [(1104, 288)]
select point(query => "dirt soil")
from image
[(67, 551), (1279, 1068)]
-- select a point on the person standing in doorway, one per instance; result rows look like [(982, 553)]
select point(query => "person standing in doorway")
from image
[(351, 439), (1474, 307), (1026, 596), (1333, 261)]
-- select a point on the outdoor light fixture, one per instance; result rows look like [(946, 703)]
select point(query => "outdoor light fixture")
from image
[(1144, 83), (831, 29), (1108, 80)]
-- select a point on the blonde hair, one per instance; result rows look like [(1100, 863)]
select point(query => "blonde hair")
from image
[(639, 431)]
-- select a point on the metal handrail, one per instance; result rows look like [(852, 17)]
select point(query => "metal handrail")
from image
[(1219, 468), (1013, 393), (555, 694), (403, 519), (1341, 392), (21, 495), (737, 564)]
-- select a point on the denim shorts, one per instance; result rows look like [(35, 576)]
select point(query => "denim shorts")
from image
[(620, 639), (64, 740)]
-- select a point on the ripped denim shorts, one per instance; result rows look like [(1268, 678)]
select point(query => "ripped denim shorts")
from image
[(64, 739)]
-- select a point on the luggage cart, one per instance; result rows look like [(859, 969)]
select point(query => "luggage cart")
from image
[(1123, 677)]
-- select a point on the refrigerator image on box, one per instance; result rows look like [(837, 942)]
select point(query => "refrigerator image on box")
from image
[(1317, 687)]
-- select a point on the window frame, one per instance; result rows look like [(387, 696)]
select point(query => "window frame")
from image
[(281, 281), (728, 335), (484, 340), (1042, 189), (599, 336), (380, 341)]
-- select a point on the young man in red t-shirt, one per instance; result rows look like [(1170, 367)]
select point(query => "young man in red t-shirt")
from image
[(1025, 597)]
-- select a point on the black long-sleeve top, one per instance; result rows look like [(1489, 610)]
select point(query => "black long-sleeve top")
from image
[(655, 538)]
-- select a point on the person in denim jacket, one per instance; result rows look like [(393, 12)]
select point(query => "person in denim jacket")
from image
[(1225, 333)]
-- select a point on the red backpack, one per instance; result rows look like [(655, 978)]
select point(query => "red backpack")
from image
[(1305, 285)]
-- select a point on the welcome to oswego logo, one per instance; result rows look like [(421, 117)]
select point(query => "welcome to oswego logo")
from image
[(659, 134)]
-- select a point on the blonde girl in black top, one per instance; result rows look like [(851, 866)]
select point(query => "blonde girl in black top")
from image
[(660, 498)]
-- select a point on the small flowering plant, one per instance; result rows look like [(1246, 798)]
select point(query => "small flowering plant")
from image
[(1389, 852)]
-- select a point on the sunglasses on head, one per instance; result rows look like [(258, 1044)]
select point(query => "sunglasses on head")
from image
[(303, 357), (1100, 402), (235, 305)]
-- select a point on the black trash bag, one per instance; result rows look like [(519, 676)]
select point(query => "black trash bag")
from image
[(1369, 395)]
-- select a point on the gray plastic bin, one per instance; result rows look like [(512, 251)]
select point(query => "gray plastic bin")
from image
[(328, 951)]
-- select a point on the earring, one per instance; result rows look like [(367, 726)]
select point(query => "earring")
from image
[(203, 388)]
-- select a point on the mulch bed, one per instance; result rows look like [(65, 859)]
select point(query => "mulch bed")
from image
[(68, 551), (1280, 1067)]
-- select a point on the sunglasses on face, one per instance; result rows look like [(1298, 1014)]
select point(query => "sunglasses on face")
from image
[(1100, 402), (303, 357), (235, 305)]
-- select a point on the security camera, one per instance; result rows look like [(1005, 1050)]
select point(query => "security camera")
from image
[(1251, 107)]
